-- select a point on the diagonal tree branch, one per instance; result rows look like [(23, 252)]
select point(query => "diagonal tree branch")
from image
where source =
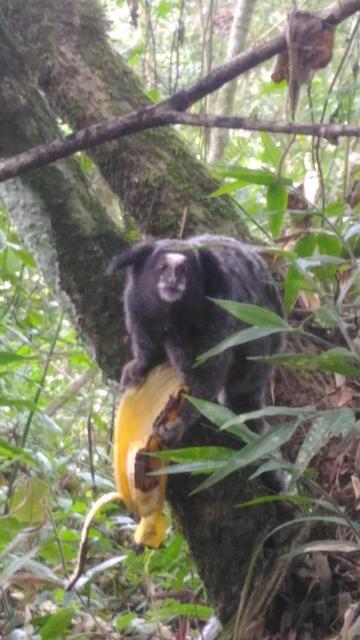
[(169, 111), (333, 14), (151, 118)]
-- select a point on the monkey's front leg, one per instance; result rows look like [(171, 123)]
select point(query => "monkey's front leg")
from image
[(146, 356)]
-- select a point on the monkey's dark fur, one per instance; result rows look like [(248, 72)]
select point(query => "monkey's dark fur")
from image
[(170, 317)]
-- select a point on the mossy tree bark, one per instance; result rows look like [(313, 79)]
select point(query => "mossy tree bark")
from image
[(86, 81), (68, 230)]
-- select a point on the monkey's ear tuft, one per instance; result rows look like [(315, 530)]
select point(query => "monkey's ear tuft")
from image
[(134, 257), (213, 276)]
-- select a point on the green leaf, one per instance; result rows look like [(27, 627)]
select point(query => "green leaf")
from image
[(328, 316), (335, 209), (194, 460), (353, 231), (259, 448), (337, 360), (17, 403), (267, 322), (265, 412), (9, 451), (30, 501), (272, 153), (329, 244), (16, 564), (327, 425), (196, 454), (122, 621), (252, 314), (276, 464), (85, 162), (164, 8), (171, 609), (326, 546), (297, 500), (25, 257), (102, 567), (269, 88), (293, 284), (189, 467), (56, 625), (318, 260), (216, 413), (335, 520), (240, 337), (276, 197), (229, 187), (306, 245), (219, 415), (10, 530), (8, 357), (154, 94), (252, 176)]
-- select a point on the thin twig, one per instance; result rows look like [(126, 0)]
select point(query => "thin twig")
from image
[(151, 118)]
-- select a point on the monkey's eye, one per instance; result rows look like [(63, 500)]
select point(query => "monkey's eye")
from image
[(182, 268), (162, 265)]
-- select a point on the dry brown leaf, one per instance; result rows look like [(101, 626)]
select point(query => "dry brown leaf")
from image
[(309, 47), (356, 487)]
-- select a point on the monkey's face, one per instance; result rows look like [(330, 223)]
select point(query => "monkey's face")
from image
[(172, 271)]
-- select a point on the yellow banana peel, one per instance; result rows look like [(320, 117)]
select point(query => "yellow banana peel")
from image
[(139, 409), (159, 399)]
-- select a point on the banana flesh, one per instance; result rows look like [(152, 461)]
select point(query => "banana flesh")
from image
[(158, 400)]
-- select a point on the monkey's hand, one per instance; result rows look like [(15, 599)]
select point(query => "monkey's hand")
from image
[(132, 374), (170, 433)]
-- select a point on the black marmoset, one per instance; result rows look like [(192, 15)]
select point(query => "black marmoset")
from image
[(170, 317)]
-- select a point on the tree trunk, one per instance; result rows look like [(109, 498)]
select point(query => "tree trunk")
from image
[(71, 236), (158, 181), (57, 213), (225, 104)]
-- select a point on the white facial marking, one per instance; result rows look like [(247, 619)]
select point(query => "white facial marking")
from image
[(171, 287), (174, 259), (167, 294)]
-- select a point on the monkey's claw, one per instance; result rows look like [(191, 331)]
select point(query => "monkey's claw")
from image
[(170, 433), (132, 375)]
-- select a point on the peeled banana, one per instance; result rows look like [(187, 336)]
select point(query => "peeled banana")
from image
[(158, 400)]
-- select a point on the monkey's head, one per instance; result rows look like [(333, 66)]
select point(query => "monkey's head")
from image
[(171, 272), (173, 269)]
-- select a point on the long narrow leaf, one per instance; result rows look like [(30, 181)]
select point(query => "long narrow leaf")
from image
[(252, 314), (9, 357), (267, 412), (334, 360), (240, 337), (327, 546), (263, 446), (9, 451), (252, 176), (195, 454), (229, 187), (327, 425), (216, 413), (219, 415), (276, 464)]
